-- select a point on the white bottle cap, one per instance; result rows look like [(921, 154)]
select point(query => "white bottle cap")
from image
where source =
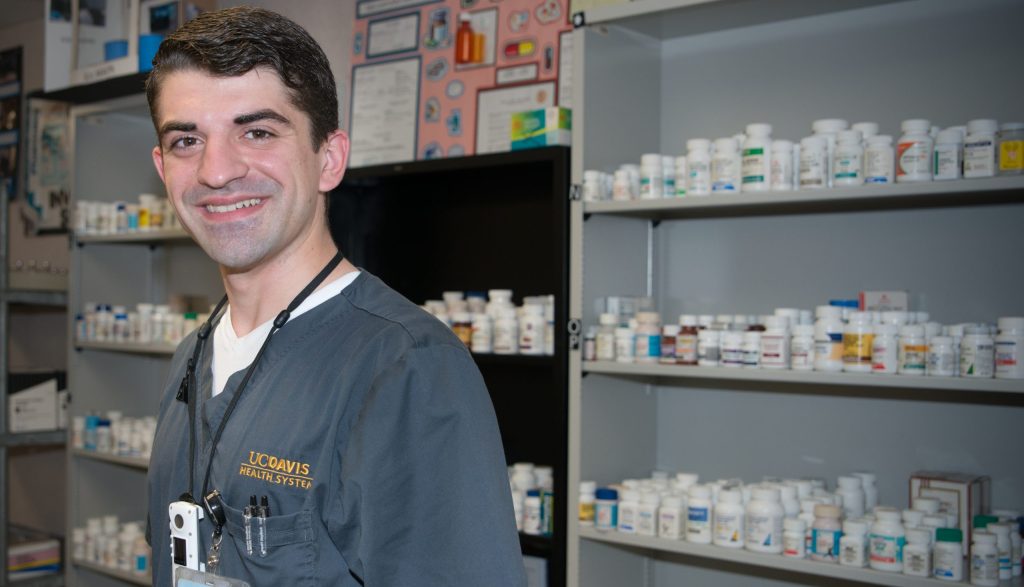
[(687, 320), (849, 483), (607, 319), (936, 521), (982, 126), (730, 496), (912, 517), (982, 537), (631, 495), (918, 536), (670, 329), (764, 493), (860, 317), (886, 514), (794, 525), (1011, 325), (880, 140), (672, 501), (829, 125), (867, 129), (650, 498), (699, 492), (912, 330), (803, 330), (685, 480), (886, 329), (949, 135), (698, 145), (827, 312), (919, 125), (855, 527), (852, 137), (813, 142), (1011, 126), (759, 129), (588, 486), (650, 160), (523, 467), (824, 510), (782, 145), (865, 478), (726, 145)]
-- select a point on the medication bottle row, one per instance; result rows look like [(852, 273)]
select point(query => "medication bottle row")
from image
[(490, 323), (114, 434), (836, 154), (801, 519), (106, 542), (148, 323), (533, 498), (152, 212), (864, 342)]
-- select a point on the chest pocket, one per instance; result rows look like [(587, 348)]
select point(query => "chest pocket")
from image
[(291, 558)]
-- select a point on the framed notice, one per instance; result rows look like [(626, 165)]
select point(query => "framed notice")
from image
[(385, 107), (388, 36), (495, 107)]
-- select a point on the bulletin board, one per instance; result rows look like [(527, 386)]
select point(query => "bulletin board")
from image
[(417, 92)]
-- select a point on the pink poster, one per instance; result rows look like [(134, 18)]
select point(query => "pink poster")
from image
[(439, 78)]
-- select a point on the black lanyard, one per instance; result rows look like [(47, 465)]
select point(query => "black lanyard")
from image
[(188, 389)]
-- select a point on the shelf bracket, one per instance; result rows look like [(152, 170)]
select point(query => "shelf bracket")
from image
[(574, 327), (575, 192)]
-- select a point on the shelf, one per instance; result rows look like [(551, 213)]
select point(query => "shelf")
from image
[(44, 438), (149, 237), (967, 192), (772, 561), (664, 373), (118, 574), (539, 546), (51, 580), (154, 348), (524, 360), (132, 462), (106, 89), (36, 298)]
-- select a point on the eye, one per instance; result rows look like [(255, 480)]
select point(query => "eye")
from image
[(259, 134), (184, 142)]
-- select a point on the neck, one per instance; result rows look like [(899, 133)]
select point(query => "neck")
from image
[(259, 294)]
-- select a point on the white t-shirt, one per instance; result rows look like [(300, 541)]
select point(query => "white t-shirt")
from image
[(232, 353)]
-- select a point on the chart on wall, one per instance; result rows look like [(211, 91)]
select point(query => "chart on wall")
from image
[(441, 78)]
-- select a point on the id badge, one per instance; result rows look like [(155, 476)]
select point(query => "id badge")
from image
[(184, 577)]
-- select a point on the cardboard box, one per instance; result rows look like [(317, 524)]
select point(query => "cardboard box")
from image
[(883, 301), (36, 408), (541, 128), (962, 494), (32, 558)]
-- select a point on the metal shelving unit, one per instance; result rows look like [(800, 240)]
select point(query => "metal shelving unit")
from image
[(132, 462), (125, 576)]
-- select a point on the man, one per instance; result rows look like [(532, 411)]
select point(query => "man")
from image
[(350, 440)]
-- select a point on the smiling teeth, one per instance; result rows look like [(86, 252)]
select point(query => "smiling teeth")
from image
[(232, 207)]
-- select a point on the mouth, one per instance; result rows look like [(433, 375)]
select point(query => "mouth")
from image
[(225, 208)]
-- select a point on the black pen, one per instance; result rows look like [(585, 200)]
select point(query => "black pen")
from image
[(262, 512)]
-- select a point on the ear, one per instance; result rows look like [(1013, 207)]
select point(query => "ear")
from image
[(158, 161), (335, 158)]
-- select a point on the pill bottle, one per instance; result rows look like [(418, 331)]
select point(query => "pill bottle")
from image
[(913, 355), (853, 549), (1002, 531), (829, 129), (885, 350), (886, 541), (531, 513), (606, 509), (698, 159), (648, 337), (782, 166), (801, 348), (788, 499), (879, 160), (625, 344), (794, 543), (482, 333), (686, 340), (984, 559), (917, 554), (670, 517), (709, 348), (775, 343), (813, 163), (647, 514), (506, 332), (606, 337), (941, 357), (669, 332), (912, 518), (593, 185), (977, 353), (732, 349), (858, 336), (849, 487), (980, 148), (1009, 348), (725, 166), (825, 533), (828, 339), (462, 326), (729, 519), (629, 507), (847, 159), (531, 330), (867, 129), (947, 161), (651, 180), (867, 484), (1010, 145), (948, 558), (698, 514), (622, 186), (914, 152), (764, 520), (588, 495), (668, 176), (682, 178), (752, 349), (757, 158)]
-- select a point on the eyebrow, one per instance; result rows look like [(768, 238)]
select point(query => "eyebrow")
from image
[(241, 119), (176, 126)]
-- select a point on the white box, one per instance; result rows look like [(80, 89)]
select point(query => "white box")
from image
[(35, 408), (962, 494), (883, 301)]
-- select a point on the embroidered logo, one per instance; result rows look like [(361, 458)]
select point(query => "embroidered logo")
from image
[(277, 470)]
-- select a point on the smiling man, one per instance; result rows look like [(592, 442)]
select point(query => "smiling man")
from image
[(327, 430)]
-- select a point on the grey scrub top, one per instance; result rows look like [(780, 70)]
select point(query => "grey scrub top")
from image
[(369, 427)]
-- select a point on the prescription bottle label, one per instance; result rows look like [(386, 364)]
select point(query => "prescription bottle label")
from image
[(912, 158), (857, 349), (1011, 156), (587, 513), (887, 549)]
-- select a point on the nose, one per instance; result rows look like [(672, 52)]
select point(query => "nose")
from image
[(221, 163)]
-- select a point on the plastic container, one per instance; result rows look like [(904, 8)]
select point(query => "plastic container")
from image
[(531, 330), (732, 349), (648, 337), (757, 158), (629, 507), (647, 514), (725, 166), (858, 335), (801, 348), (847, 159), (686, 340), (825, 533), (942, 357), (794, 532), (912, 518), (506, 332), (913, 356), (914, 152), (606, 337), (885, 350), (782, 173), (853, 546), (651, 179), (886, 541), (668, 176), (977, 353), (729, 519), (698, 158), (606, 509), (671, 517), (828, 339), (980, 148), (625, 347), (1009, 348), (1010, 147), (853, 496), (879, 160), (682, 170), (708, 348), (947, 159), (752, 349), (775, 346), (531, 513), (867, 129), (1002, 531), (917, 554), (588, 497), (984, 559), (813, 163), (829, 129), (698, 515), (764, 521), (948, 556)]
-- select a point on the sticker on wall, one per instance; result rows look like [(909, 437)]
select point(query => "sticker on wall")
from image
[(515, 74), (476, 39), (432, 151), (519, 49), (454, 123), (437, 69), (455, 89), (456, 151), (466, 4), (432, 110), (548, 11), (518, 20), (357, 44), (439, 30), (549, 58)]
